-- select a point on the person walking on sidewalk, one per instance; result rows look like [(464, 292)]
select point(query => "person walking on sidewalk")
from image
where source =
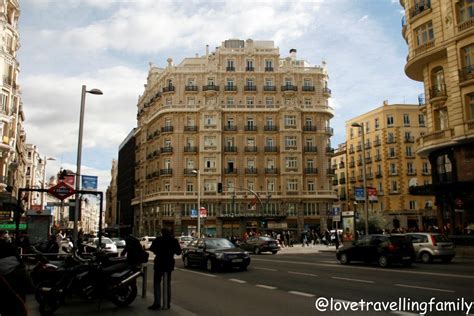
[(164, 248)]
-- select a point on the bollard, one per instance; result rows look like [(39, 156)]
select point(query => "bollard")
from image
[(144, 279)]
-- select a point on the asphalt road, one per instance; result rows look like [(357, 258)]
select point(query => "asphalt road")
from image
[(291, 284)]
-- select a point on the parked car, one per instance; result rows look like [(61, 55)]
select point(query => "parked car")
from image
[(184, 240), (383, 249), (106, 244), (119, 242), (430, 246), (261, 244), (146, 241), (214, 254)]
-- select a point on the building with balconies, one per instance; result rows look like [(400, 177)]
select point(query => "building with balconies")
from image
[(12, 141), (440, 39), (258, 125), (391, 165)]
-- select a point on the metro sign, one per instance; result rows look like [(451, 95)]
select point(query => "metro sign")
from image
[(61, 191)]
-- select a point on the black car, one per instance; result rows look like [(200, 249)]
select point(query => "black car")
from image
[(260, 244), (383, 249), (214, 254)]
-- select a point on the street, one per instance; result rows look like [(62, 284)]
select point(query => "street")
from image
[(290, 284)]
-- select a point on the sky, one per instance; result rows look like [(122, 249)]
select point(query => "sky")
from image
[(108, 45)]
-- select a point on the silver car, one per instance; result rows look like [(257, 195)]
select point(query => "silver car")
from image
[(430, 246)]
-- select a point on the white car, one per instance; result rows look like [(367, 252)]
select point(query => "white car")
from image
[(146, 241), (184, 240), (107, 244)]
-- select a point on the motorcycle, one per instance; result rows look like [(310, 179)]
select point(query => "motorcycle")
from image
[(96, 278)]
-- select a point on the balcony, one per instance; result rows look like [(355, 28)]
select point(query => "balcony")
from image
[(307, 89), (230, 171), (369, 176), (189, 172), (310, 149), (410, 139), (466, 73), (438, 91), (230, 88), (377, 142), (230, 128), (271, 170), (330, 150), (166, 172), (270, 128), (250, 88), (352, 180), (425, 172), (210, 88), (191, 88), (251, 170), (190, 149), (329, 130), (167, 129), (424, 47), (359, 162), (249, 68), (250, 149), (230, 68), (327, 92), (411, 172), (341, 165), (335, 182), (378, 157), (309, 128), (390, 140), (334, 166), (271, 149), (359, 148), (330, 172), (289, 87), (190, 128), (351, 150), (167, 149), (434, 140), (351, 164), (250, 128), (378, 174), (168, 89), (230, 149), (465, 25), (311, 170), (268, 69), (342, 180), (269, 88)]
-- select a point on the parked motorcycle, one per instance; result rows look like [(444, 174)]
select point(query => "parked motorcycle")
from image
[(92, 279)]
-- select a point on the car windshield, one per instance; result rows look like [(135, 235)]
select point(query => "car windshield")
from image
[(219, 243)]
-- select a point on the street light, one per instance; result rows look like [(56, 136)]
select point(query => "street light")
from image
[(45, 160), (364, 178), (196, 172), (79, 157)]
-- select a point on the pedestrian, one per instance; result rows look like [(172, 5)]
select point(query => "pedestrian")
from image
[(336, 239), (164, 248)]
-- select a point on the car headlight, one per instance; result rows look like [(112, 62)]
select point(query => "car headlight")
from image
[(246, 253), (219, 255)]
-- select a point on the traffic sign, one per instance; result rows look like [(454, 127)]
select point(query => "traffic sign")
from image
[(61, 191)]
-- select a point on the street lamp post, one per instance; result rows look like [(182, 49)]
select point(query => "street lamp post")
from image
[(198, 173), (364, 178), (45, 160), (79, 157)]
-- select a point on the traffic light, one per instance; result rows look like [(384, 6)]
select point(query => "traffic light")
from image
[(219, 187)]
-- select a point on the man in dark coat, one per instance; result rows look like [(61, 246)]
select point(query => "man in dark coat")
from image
[(164, 248)]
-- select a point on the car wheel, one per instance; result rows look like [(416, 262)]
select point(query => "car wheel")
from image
[(210, 265), (447, 259), (426, 257), (186, 262), (383, 261), (256, 251), (344, 259)]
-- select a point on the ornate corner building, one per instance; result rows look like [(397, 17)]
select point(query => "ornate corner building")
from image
[(254, 127), (440, 38)]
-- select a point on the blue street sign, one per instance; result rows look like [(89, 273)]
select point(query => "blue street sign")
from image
[(359, 194), (194, 213)]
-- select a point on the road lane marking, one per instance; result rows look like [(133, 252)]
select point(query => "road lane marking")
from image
[(450, 275), (199, 273), (424, 288), (237, 280), (301, 273), (266, 269), (302, 294), (268, 287), (354, 280)]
